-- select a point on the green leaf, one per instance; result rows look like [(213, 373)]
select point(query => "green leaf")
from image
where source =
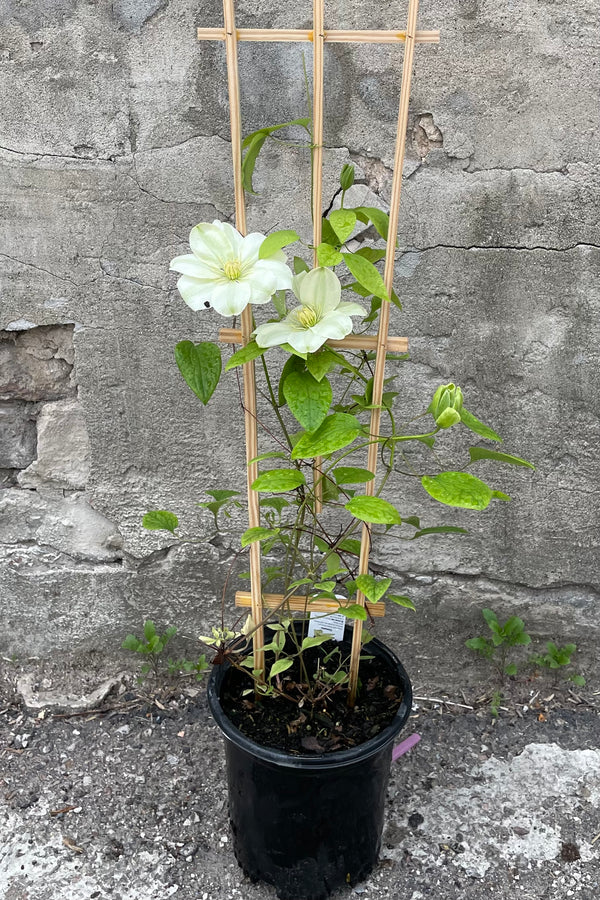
[(276, 240), (200, 366), (354, 611), (458, 489), (276, 503), (325, 585), (498, 495), (491, 618), (321, 363), (337, 431), (439, 529), (258, 534), (254, 146), (334, 566), (373, 509), (315, 641), (160, 520), (131, 642), (272, 454), (480, 644), (578, 680), (149, 630), (510, 669), (328, 234), (395, 300), (352, 475), (366, 274), (269, 129), (221, 496), (347, 176), (331, 492), (328, 255), (483, 453), (350, 545), (292, 364), (281, 665), (373, 588), (246, 354), (478, 427), (380, 220), (308, 399), (289, 349), (278, 301), (253, 143), (371, 254), (343, 222), (300, 265), (278, 481), (402, 600)]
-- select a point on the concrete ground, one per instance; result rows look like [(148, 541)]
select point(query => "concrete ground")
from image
[(126, 800)]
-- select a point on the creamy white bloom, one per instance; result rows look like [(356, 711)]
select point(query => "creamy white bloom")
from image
[(320, 316), (224, 271)]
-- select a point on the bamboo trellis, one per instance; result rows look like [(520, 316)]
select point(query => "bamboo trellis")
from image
[(382, 343)]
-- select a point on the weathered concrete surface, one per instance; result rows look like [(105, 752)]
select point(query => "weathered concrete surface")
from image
[(477, 810), (115, 142), (63, 449)]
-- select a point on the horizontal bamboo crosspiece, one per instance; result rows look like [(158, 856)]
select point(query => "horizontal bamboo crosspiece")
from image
[(303, 604), (352, 342), (291, 35), (382, 343)]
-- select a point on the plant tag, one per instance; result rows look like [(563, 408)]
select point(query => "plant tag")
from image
[(329, 623)]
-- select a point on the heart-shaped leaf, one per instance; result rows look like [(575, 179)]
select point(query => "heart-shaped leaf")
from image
[(373, 588), (200, 366), (160, 520), (308, 399), (343, 222)]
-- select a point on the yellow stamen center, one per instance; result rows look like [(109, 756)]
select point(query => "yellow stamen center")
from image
[(307, 316), (232, 269)]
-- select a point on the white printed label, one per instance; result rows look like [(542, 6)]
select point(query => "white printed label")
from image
[(328, 623)]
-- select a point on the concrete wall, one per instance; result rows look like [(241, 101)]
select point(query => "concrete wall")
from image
[(115, 142)]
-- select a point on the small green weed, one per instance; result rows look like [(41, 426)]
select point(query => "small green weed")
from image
[(153, 645), (556, 658), (503, 638)]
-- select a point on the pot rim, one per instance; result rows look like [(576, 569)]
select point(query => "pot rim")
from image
[(333, 760)]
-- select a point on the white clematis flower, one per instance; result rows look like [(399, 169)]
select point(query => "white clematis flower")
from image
[(320, 316), (224, 271)]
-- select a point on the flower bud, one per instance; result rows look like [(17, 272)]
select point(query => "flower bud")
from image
[(347, 176), (446, 405)]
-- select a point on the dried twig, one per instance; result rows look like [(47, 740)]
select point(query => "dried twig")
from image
[(439, 700)]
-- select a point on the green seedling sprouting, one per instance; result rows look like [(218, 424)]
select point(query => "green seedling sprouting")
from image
[(496, 648), (495, 703), (151, 646), (556, 658)]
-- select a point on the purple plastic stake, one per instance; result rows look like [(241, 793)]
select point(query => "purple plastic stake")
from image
[(405, 746)]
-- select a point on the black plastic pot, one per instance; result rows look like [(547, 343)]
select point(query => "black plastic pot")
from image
[(308, 824)]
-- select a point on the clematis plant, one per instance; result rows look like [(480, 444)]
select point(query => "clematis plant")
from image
[(321, 399)]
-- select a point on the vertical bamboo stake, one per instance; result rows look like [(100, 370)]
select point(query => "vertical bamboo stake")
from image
[(317, 175), (247, 328), (384, 318)]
